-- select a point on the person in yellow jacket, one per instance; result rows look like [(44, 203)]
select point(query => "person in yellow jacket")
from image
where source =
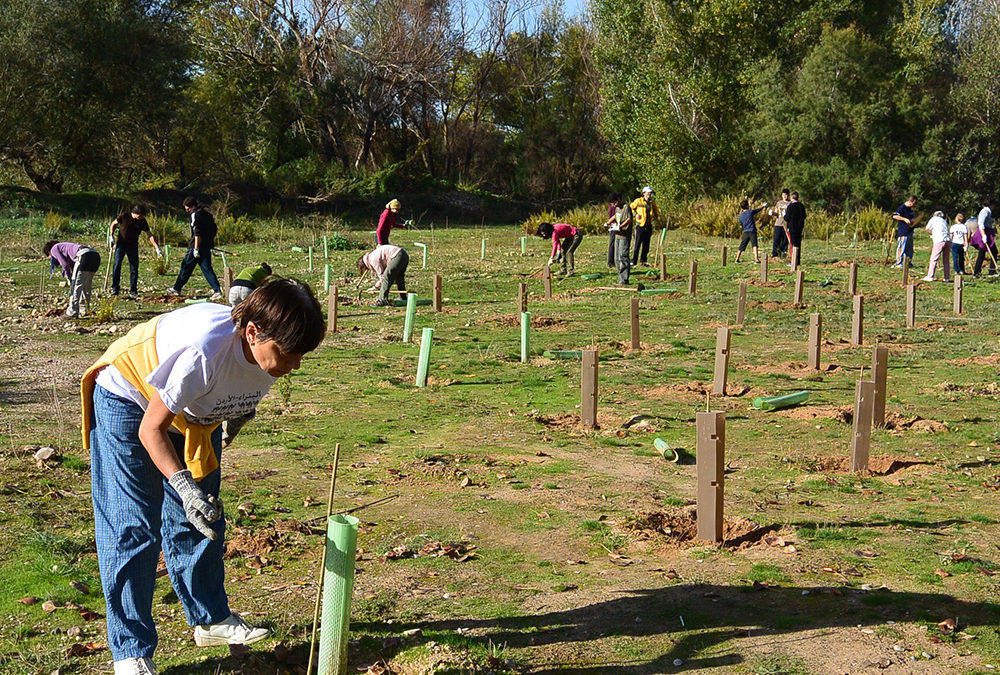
[(646, 216), (153, 405)]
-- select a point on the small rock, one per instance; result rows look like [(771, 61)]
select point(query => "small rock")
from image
[(43, 454), (927, 655), (678, 662), (73, 631), (868, 631), (413, 632), (49, 606), (898, 648), (866, 587)]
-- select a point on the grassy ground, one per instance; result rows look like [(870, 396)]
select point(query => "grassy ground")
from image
[(582, 561)]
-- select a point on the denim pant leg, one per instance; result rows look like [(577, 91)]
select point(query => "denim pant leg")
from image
[(622, 259), (188, 263), (127, 490), (958, 258), (193, 560), (205, 262), (611, 250), (133, 268), (909, 247), (116, 271)]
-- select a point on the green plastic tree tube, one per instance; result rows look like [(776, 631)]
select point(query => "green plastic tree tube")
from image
[(166, 254), (326, 278), (310, 258), (224, 263), (421, 302), (591, 277), (338, 586), (663, 233), (411, 313), (779, 402), (426, 337), (326, 247), (424, 247), (482, 250), (525, 337), (524, 245), (664, 449), (657, 291), (195, 301), (296, 249), (562, 354)]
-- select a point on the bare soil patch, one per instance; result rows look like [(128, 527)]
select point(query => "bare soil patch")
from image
[(845, 414), (247, 543), (514, 321), (993, 361), (878, 465), (771, 306), (765, 284), (678, 530), (695, 389), (788, 368)]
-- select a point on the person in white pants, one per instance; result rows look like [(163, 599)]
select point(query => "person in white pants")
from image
[(940, 245)]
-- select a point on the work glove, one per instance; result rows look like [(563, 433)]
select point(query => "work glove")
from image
[(159, 253), (197, 254), (549, 263), (201, 509)]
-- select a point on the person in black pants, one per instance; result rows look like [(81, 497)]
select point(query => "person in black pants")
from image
[(612, 207), (795, 221), (130, 225), (203, 230)]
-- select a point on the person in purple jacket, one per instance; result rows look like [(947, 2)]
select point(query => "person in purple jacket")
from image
[(79, 264)]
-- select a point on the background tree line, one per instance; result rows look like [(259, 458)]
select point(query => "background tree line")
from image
[(849, 101)]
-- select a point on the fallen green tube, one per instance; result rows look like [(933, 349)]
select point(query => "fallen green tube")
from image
[(195, 301), (665, 450), (562, 354), (657, 291), (338, 586), (779, 402), (591, 277), (402, 303)]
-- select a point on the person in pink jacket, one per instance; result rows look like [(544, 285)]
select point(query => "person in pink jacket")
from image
[(565, 238), (386, 222), (388, 263)]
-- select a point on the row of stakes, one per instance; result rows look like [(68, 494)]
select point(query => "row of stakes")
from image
[(869, 408)]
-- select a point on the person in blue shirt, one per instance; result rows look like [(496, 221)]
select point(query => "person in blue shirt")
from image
[(749, 226), (904, 217)]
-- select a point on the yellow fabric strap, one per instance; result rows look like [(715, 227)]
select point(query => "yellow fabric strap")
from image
[(134, 355)]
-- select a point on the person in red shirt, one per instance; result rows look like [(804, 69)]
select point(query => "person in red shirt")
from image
[(386, 222), (565, 238)]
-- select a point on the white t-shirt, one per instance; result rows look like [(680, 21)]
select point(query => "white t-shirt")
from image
[(938, 227), (958, 234), (985, 218), (202, 372)]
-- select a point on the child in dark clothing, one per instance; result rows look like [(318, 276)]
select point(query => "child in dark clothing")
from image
[(749, 229)]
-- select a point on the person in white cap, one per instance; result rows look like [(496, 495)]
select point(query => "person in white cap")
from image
[(646, 215)]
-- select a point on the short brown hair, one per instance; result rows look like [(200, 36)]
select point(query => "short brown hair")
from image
[(286, 311), (47, 248)]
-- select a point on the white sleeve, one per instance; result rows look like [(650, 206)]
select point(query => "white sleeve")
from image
[(181, 378)]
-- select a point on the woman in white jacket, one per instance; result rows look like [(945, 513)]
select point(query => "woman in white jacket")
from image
[(940, 245)]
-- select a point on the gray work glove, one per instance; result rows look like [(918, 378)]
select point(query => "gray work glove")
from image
[(197, 253), (201, 509)]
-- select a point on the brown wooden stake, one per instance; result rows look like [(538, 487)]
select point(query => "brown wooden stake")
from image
[(815, 339), (710, 458), (880, 369), (332, 302), (722, 337), (522, 298), (858, 322), (438, 290), (227, 282), (663, 267), (852, 280), (548, 283), (763, 269), (634, 315), (906, 271), (795, 258), (861, 440), (693, 278), (911, 306), (588, 389), (800, 281), (725, 252), (741, 304), (958, 295)]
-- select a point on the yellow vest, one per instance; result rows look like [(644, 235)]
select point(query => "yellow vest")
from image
[(641, 211), (134, 355)]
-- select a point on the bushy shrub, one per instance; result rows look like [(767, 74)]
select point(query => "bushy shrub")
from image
[(236, 231), (56, 224), (823, 225), (588, 219), (709, 217), (870, 223), (336, 242), (167, 230)]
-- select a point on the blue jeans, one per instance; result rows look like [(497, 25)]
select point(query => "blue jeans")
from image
[(904, 247), (136, 513), (958, 258), (187, 267), (133, 269)]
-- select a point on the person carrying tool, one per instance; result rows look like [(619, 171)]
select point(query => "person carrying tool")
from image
[(565, 239), (387, 221), (152, 408), (79, 264), (203, 231), (389, 264), (985, 243), (646, 215), (904, 217), (129, 225)]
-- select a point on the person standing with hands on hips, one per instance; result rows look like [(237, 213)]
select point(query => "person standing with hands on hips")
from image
[(203, 231), (646, 215), (152, 407), (129, 225)]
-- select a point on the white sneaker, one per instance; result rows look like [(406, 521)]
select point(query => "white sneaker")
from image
[(172, 291), (232, 631), (928, 279), (135, 667), (216, 296)]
